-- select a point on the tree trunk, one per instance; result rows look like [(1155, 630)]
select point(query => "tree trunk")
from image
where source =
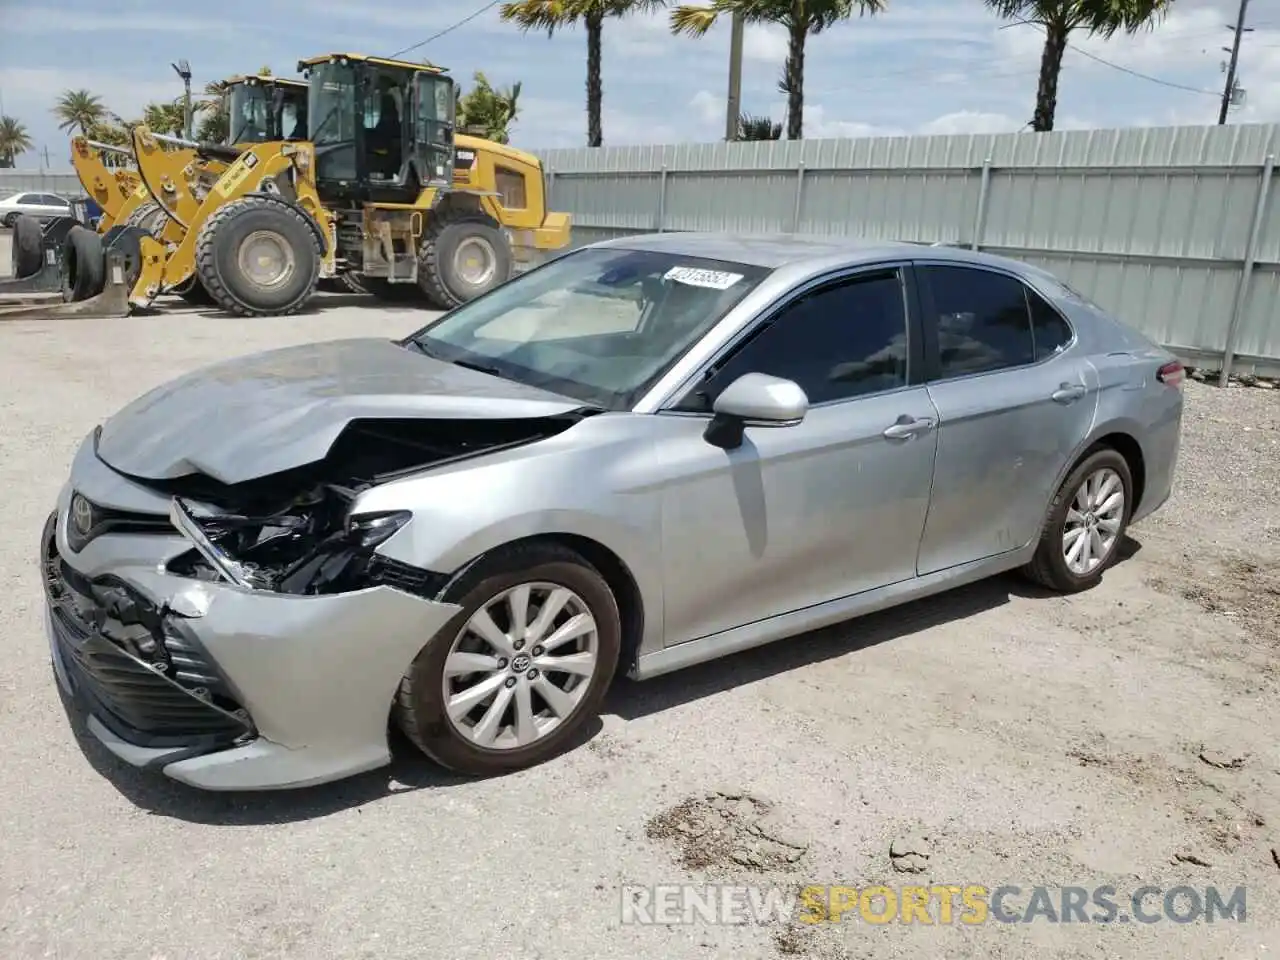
[(799, 31), (1055, 47), (595, 87)]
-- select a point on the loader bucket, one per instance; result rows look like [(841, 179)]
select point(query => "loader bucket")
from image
[(36, 255), (97, 276)]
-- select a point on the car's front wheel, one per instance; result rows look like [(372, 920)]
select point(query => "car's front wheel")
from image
[(523, 665), (1086, 524)]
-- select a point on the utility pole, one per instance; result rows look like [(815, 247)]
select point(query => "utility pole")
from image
[(183, 69), (733, 102), (1229, 92)]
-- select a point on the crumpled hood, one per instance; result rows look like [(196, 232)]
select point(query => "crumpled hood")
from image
[(257, 415)]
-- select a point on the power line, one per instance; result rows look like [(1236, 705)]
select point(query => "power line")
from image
[(1141, 76), (436, 36)]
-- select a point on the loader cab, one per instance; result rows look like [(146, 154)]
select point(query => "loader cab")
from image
[(382, 129), (262, 109)]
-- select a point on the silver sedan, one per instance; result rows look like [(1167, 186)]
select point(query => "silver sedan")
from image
[(648, 453)]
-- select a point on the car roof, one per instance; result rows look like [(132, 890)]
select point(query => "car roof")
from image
[(806, 254)]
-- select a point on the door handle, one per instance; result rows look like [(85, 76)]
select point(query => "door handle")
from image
[(1067, 393), (908, 427)]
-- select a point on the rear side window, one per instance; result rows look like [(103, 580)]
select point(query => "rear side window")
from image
[(28, 198), (1050, 329), (981, 318)]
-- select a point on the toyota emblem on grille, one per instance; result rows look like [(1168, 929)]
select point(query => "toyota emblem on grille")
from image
[(81, 514)]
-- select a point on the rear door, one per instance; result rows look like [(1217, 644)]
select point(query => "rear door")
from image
[(1015, 397)]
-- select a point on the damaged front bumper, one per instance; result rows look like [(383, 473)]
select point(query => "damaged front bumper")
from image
[(223, 686)]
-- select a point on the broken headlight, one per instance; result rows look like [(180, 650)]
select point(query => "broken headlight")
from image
[(368, 530)]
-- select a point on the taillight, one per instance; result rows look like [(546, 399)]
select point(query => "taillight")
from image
[(1172, 374)]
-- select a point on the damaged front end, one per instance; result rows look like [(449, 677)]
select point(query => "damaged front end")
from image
[(295, 532), (263, 647)]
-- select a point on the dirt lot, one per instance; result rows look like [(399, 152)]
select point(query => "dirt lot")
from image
[(999, 736)]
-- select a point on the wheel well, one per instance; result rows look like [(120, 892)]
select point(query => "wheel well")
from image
[(620, 580), (460, 205), (1128, 448)]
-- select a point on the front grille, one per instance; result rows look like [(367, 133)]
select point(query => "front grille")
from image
[(139, 674)]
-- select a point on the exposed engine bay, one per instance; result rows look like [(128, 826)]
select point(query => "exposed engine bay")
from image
[(292, 532)]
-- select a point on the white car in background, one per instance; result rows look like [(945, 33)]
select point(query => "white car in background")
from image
[(42, 206)]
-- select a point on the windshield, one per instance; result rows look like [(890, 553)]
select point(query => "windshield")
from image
[(249, 112), (600, 325)]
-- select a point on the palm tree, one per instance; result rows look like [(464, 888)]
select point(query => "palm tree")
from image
[(800, 18), (170, 118), (79, 109), (1059, 19), (758, 128), (117, 133), (14, 140), (553, 15), (488, 110)]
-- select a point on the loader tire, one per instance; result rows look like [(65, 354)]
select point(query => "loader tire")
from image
[(258, 257), (194, 293), (83, 265), (27, 254), (462, 259), (150, 217)]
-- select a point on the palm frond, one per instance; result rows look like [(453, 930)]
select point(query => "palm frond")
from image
[(693, 21)]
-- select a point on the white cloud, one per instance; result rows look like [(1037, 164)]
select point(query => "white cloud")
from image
[(42, 20), (30, 89), (765, 44), (707, 107), (970, 121), (563, 123)]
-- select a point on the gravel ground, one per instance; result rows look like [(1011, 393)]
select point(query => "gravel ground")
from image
[(1000, 736)]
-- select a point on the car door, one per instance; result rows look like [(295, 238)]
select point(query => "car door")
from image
[(53, 206), (1014, 399), (814, 511)]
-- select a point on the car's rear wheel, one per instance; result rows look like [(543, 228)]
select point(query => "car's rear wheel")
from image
[(1086, 524), (523, 665)]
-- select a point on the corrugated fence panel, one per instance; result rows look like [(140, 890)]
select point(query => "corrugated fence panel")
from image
[(64, 184), (1152, 223)]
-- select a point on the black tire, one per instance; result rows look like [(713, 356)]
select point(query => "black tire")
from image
[(149, 216), (217, 257), (419, 707), (352, 283), (10, 219), (1049, 566), (439, 272), (27, 255), (194, 293), (83, 265)]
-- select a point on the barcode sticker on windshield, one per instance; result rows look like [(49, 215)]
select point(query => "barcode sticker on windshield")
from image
[(694, 277)]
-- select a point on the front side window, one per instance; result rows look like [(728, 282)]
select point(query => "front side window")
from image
[(838, 342), (981, 319), (600, 325)]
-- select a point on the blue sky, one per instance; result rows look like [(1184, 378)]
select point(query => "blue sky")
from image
[(925, 66)]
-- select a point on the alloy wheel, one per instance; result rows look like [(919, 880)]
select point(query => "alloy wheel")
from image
[(1093, 522), (520, 666)]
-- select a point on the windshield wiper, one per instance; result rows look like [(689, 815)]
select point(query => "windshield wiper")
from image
[(478, 367)]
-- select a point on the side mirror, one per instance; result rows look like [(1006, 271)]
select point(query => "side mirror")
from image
[(754, 400)]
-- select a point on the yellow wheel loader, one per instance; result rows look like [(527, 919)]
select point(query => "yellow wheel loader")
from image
[(382, 191), (176, 175), (157, 199)]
